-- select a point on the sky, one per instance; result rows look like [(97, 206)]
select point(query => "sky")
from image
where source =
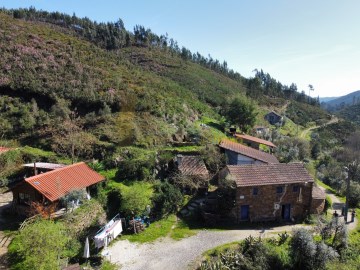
[(303, 42)]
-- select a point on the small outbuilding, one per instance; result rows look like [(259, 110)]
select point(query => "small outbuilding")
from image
[(49, 187), (318, 200), (273, 118)]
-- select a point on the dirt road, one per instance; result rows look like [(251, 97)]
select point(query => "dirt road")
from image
[(179, 255)]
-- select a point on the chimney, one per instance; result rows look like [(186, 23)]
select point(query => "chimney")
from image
[(179, 159), (35, 171)]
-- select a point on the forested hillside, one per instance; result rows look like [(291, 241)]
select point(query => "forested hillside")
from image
[(351, 113), (127, 102), (114, 87)]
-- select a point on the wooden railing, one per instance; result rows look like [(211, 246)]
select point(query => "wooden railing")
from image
[(28, 221)]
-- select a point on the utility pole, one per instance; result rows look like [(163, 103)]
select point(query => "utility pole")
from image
[(311, 88)]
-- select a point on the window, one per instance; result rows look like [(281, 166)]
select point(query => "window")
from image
[(295, 188), (279, 189), (255, 191), (24, 198)]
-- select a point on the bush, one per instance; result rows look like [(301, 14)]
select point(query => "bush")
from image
[(242, 112), (303, 249), (328, 203), (135, 198), (306, 254), (136, 164), (40, 245), (106, 265), (168, 199), (252, 254), (354, 196), (91, 213)]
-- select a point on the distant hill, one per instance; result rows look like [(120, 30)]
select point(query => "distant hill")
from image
[(340, 103), (351, 113), (326, 99)]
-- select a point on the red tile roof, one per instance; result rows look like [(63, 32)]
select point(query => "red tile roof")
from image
[(4, 149), (269, 174), (193, 165), (254, 139), (57, 183), (248, 151), (318, 193)]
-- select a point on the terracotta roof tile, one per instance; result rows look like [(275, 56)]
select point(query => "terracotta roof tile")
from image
[(248, 151), (318, 193), (269, 174), (4, 149), (193, 165), (254, 139), (55, 184)]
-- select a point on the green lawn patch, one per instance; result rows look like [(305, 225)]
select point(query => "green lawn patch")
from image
[(216, 251), (322, 184), (182, 230), (156, 230), (183, 149), (109, 174)]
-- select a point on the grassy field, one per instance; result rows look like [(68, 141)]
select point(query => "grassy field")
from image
[(170, 226)]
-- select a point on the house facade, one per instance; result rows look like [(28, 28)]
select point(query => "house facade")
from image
[(281, 192), (238, 154), (49, 187)]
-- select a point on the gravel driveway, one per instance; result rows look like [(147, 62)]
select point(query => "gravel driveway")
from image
[(167, 253)]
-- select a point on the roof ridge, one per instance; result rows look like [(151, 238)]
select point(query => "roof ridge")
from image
[(268, 164), (53, 171), (251, 150)]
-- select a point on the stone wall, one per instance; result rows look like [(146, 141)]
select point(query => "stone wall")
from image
[(268, 204), (317, 206)]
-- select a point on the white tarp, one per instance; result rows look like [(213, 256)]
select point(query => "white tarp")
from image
[(109, 232)]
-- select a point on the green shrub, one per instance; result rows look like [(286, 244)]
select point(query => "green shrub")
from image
[(136, 164), (167, 199), (306, 254), (106, 265), (40, 245), (328, 203), (135, 198)]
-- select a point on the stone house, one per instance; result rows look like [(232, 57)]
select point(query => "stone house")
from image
[(238, 154), (273, 118), (49, 187), (281, 192)]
